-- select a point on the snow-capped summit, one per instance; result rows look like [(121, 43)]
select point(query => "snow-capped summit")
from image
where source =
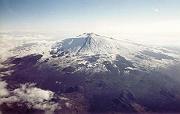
[(91, 34), (108, 49), (92, 44), (78, 73)]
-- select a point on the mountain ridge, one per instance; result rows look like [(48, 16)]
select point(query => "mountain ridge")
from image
[(90, 73)]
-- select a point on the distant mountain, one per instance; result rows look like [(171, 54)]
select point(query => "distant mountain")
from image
[(89, 47), (89, 73)]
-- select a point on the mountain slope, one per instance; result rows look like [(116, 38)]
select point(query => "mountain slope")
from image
[(89, 74), (91, 44), (103, 48)]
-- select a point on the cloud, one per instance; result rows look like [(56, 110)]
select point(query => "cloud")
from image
[(156, 10), (32, 97), (3, 91), (38, 98), (9, 100), (33, 94)]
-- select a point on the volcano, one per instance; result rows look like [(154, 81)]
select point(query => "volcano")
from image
[(89, 73)]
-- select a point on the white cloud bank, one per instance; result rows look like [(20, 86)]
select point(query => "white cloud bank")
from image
[(33, 97), (3, 91), (33, 94)]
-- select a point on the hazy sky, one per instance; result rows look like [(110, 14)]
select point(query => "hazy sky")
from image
[(118, 16)]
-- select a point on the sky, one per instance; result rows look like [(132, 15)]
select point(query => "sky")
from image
[(156, 17)]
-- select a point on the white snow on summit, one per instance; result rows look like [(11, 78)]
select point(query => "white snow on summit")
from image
[(107, 48), (93, 44), (90, 50)]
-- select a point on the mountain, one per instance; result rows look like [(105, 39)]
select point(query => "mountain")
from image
[(91, 44), (89, 73), (90, 48)]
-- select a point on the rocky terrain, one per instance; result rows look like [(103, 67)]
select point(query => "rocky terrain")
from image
[(89, 73)]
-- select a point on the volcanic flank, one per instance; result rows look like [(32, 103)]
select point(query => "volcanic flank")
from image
[(89, 73)]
